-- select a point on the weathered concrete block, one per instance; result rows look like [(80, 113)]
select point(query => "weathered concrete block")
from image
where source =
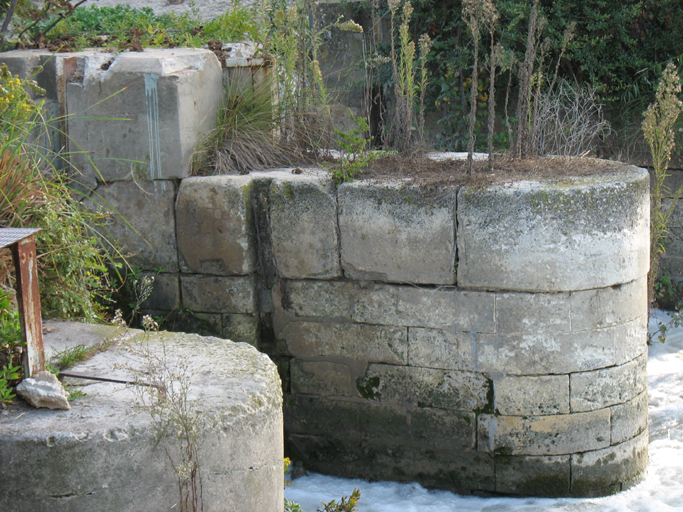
[(436, 429), (425, 387), (165, 292), (372, 343), (533, 354), (158, 103), (303, 221), (141, 220), (339, 417), (629, 419), (395, 305), (610, 386), (443, 349), (216, 225), (421, 307), (531, 396), (533, 476), (397, 233), (111, 445), (206, 324), (380, 441), (213, 294), (532, 313), (322, 378), (544, 435), (25, 63), (601, 472), (318, 299), (562, 235), (464, 472), (241, 327), (605, 307)]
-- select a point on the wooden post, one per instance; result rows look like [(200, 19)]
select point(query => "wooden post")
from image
[(28, 300)]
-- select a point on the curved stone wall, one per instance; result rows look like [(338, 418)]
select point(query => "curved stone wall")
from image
[(107, 454), (483, 340), (517, 367)]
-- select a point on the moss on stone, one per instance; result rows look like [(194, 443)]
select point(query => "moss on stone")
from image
[(545, 485), (368, 387)]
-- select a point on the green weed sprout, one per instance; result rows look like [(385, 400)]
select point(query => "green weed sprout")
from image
[(354, 155)]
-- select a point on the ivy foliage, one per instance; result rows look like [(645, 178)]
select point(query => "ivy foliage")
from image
[(620, 48)]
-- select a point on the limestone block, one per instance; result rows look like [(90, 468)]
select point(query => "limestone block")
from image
[(385, 441), (610, 386), (629, 419), (158, 103), (443, 349), (425, 387), (213, 294), (555, 235), (372, 343), (531, 396), (344, 419), (464, 472), (601, 472), (318, 299), (533, 354), (241, 327), (425, 307), (141, 221), (216, 225), (397, 233), (44, 390), (605, 307), (165, 292), (436, 429), (532, 313), (533, 476), (321, 378), (303, 227), (544, 435)]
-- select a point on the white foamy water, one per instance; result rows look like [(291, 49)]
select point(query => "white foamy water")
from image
[(660, 491)]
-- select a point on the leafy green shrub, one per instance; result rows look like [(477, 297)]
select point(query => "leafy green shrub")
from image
[(290, 506), (668, 291), (618, 48), (347, 504), (33, 193), (8, 374), (658, 129), (354, 156), (122, 25), (71, 263)]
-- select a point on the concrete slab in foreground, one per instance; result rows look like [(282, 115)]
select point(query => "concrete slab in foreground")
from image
[(103, 454)]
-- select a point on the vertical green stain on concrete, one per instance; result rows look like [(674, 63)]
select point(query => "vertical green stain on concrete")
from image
[(152, 103)]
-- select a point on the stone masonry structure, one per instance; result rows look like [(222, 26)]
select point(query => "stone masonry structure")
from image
[(107, 454), (478, 339), (487, 340)]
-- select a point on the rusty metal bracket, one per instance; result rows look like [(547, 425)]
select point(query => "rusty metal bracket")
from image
[(22, 243), (104, 378)]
